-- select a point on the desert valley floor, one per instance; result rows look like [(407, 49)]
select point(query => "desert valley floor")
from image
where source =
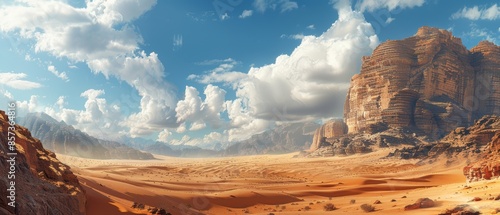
[(278, 184)]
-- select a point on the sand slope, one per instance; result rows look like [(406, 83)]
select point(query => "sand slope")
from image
[(275, 183)]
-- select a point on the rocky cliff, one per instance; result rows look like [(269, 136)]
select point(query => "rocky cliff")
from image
[(488, 167), (62, 138), (428, 84), (43, 184)]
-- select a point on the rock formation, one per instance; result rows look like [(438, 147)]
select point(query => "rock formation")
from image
[(488, 167), (43, 184), (428, 84), (62, 138), (331, 129)]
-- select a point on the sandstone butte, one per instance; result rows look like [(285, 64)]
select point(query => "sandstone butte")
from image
[(428, 83), (43, 184)]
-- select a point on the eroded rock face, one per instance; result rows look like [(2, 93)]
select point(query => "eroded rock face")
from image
[(44, 185), (488, 167), (461, 143), (331, 129), (428, 81), (428, 84)]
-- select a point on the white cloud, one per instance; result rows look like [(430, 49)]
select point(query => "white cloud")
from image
[(209, 141), (483, 34), (99, 119), (224, 73), (282, 5), (178, 40), (201, 113), (181, 129), (310, 83), (61, 75), (311, 27), (389, 20), (61, 102), (28, 106), (225, 16), (372, 5), (6, 94), (163, 136), (16, 81), (246, 13), (476, 13), (100, 35)]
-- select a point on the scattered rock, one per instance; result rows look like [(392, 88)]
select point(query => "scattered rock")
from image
[(461, 210), (475, 199), (377, 202), (367, 208), (420, 203)]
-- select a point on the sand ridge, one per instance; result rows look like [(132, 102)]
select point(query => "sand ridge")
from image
[(276, 184)]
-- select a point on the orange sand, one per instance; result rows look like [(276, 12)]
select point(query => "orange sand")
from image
[(275, 183)]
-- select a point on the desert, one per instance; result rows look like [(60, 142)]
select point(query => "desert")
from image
[(293, 107), (278, 184)]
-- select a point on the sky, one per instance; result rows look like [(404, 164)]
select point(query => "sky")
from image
[(200, 72)]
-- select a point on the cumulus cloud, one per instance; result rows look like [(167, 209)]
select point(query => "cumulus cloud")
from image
[(223, 73), (201, 113), (100, 35), (163, 136), (17, 81), (282, 5), (99, 119), (209, 141), (310, 83), (476, 13), (372, 5), (28, 106), (61, 75), (389, 20), (246, 13)]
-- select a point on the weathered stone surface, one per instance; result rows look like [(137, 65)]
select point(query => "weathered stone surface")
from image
[(428, 84), (43, 184), (420, 203), (488, 167), (467, 142), (331, 129), (428, 81), (486, 62)]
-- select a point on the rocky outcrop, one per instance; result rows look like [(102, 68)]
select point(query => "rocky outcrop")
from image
[(428, 84), (429, 81), (420, 203), (486, 62), (364, 143), (43, 184), (488, 167), (331, 129), (62, 138), (479, 141)]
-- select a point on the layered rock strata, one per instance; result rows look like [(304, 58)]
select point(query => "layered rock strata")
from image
[(428, 84), (43, 184)]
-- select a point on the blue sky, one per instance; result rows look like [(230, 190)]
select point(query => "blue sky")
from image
[(202, 72)]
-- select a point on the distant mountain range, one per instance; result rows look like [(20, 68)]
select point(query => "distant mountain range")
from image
[(64, 139)]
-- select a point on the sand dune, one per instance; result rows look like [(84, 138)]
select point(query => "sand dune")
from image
[(275, 183)]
